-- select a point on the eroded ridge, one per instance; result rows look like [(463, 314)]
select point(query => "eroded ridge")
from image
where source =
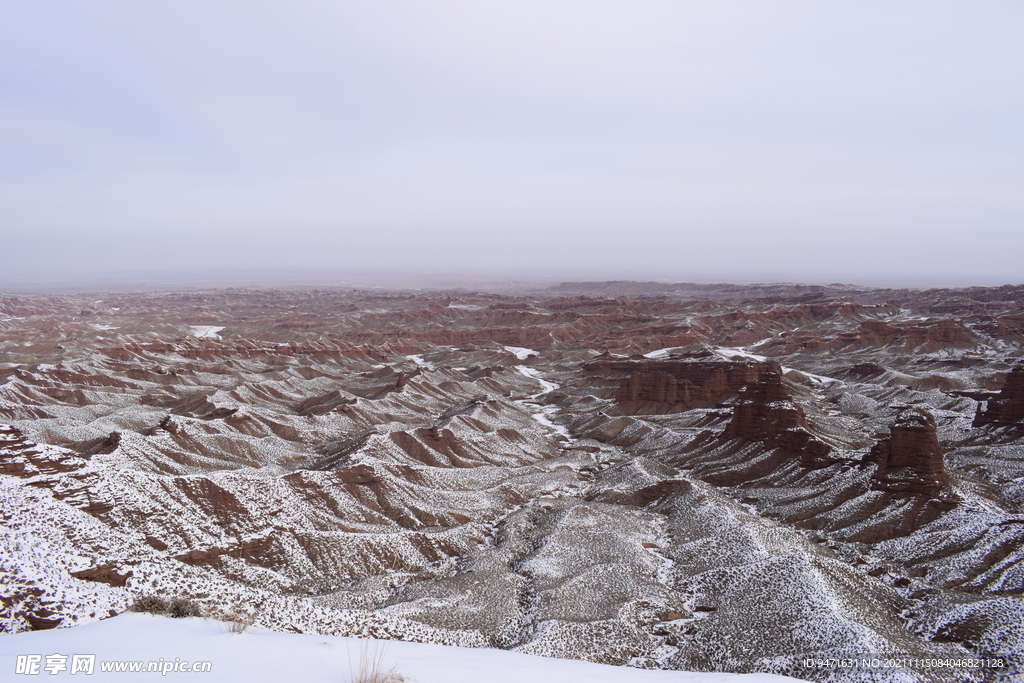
[(659, 482)]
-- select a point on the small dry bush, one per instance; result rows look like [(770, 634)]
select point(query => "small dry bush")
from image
[(239, 624), (150, 604), (180, 608), (176, 608), (370, 667), (236, 616)]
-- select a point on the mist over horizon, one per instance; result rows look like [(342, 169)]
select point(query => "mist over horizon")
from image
[(510, 283)]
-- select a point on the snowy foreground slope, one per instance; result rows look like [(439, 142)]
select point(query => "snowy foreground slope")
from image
[(261, 655)]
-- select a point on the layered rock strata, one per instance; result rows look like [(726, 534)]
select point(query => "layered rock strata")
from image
[(701, 380), (767, 413), (1008, 407), (910, 460)]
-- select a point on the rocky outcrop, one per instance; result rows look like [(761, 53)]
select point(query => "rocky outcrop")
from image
[(45, 466), (666, 386), (910, 460), (1008, 407), (321, 405), (767, 413), (20, 457), (99, 446), (924, 338), (939, 335), (862, 371), (104, 573)]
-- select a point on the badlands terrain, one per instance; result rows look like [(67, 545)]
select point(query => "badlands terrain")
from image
[(696, 478)]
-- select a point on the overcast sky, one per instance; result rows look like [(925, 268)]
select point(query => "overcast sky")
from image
[(865, 142)]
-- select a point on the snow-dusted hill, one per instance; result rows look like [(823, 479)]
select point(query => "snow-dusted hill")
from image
[(665, 484)]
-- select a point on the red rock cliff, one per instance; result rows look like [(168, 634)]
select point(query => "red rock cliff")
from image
[(910, 459), (663, 386), (1008, 408), (767, 414)]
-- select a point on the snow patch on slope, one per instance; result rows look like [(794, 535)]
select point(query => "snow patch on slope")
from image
[(545, 411), (206, 331), (520, 352)]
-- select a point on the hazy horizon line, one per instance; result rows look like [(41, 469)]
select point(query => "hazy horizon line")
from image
[(406, 280)]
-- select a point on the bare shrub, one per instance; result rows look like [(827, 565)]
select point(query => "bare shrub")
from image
[(240, 623), (177, 607), (181, 607), (370, 667), (237, 616), (150, 604)]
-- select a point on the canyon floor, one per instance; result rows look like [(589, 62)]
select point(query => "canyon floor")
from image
[(732, 479)]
